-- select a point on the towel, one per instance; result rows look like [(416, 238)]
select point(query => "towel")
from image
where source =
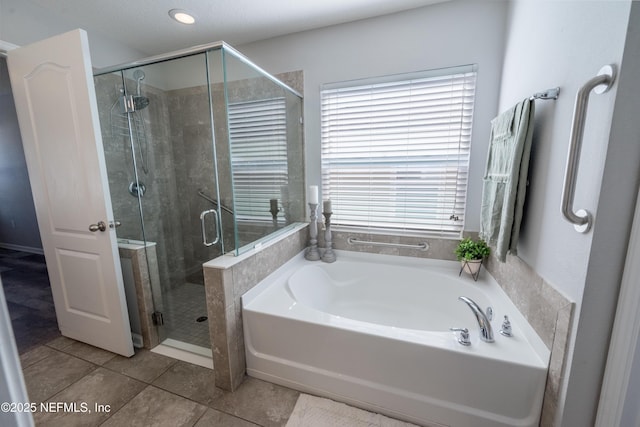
[(505, 179)]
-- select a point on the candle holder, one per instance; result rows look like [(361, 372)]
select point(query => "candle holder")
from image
[(312, 253), (329, 255), (274, 211)]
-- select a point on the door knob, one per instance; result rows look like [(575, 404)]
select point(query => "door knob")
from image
[(99, 226)]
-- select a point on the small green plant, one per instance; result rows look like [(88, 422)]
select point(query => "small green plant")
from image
[(469, 249)]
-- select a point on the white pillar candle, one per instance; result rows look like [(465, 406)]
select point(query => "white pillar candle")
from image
[(313, 194), (326, 205)]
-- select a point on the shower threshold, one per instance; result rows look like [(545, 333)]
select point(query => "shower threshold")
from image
[(186, 352)]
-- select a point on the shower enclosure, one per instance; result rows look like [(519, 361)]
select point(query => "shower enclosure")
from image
[(204, 157)]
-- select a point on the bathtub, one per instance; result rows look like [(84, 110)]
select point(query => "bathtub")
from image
[(373, 331)]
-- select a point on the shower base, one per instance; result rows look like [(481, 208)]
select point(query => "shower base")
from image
[(186, 352), (184, 307)]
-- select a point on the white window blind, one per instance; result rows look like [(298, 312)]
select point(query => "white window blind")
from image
[(258, 138), (395, 150)]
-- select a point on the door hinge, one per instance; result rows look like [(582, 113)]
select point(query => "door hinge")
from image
[(157, 318)]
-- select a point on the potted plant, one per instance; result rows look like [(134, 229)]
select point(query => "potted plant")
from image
[(470, 253)]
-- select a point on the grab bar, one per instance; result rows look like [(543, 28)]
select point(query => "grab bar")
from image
[(204, 230), (421, 246), (214, 201), (581, 219)]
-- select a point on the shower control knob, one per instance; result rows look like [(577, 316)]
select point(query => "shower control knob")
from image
[(101, 226)]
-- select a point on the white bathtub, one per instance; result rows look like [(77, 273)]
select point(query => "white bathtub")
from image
[(373, 331)]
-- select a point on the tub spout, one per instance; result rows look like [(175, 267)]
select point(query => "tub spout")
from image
[(486, 333)]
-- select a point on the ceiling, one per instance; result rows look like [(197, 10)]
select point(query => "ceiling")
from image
[(146, 26)]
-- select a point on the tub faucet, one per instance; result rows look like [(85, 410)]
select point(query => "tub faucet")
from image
[(486, 333)]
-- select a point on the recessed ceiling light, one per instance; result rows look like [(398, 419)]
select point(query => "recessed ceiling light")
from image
[(182, 16)]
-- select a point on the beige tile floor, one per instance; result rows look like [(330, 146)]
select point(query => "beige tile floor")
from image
[(145, 390)]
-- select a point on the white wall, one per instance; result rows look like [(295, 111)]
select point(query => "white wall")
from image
[(442, 35), (564, 43), (22, 23)]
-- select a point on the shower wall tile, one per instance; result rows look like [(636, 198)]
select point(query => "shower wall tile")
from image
[(225, 283), (143, 285)]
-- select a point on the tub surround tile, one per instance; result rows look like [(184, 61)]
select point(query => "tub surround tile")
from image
[(226, 280), (557, 365), (548, 311), (536, 299), (438, 248), (100, 387), (54, 373), (159, 408), (144, 365)]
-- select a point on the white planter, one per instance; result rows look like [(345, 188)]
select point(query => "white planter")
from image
[(471, 267)]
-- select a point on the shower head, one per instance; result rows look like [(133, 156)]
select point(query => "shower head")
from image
[(138, 74), (140, 102)]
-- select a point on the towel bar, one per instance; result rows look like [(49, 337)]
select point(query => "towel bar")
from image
[(582, 219)]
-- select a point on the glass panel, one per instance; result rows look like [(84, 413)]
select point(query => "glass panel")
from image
[(265, 151), (166, 128), (171, 169)]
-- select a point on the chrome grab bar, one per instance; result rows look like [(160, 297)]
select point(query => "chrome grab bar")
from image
[(204, 230), (581, 219), (421, 246), (214, 201)]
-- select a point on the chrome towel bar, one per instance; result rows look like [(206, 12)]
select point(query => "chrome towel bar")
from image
[(421, 246), (581, 219)]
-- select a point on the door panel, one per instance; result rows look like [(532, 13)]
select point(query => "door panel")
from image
[(57, 111)]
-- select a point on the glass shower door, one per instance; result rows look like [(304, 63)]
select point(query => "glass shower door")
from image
[(170, 173)]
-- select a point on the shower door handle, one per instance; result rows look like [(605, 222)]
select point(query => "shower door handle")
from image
[(204, 230)]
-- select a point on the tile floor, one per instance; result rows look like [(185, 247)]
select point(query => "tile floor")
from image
[(147, 389)]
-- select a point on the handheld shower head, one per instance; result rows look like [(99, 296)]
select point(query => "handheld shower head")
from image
[(139, 101), (139, 76)]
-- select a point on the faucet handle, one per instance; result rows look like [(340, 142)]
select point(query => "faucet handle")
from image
[(489, 313), (464, 335), (506, 327)]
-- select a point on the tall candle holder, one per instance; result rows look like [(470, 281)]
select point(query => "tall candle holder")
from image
[(329, 255), (274, 211), (312, 253)]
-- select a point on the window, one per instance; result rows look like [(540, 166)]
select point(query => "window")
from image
[(258, 135), (395, 150)]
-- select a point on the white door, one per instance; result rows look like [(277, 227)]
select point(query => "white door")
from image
[(55, 99)]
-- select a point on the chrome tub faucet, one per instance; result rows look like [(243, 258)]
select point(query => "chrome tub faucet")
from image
[(486, 332)]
